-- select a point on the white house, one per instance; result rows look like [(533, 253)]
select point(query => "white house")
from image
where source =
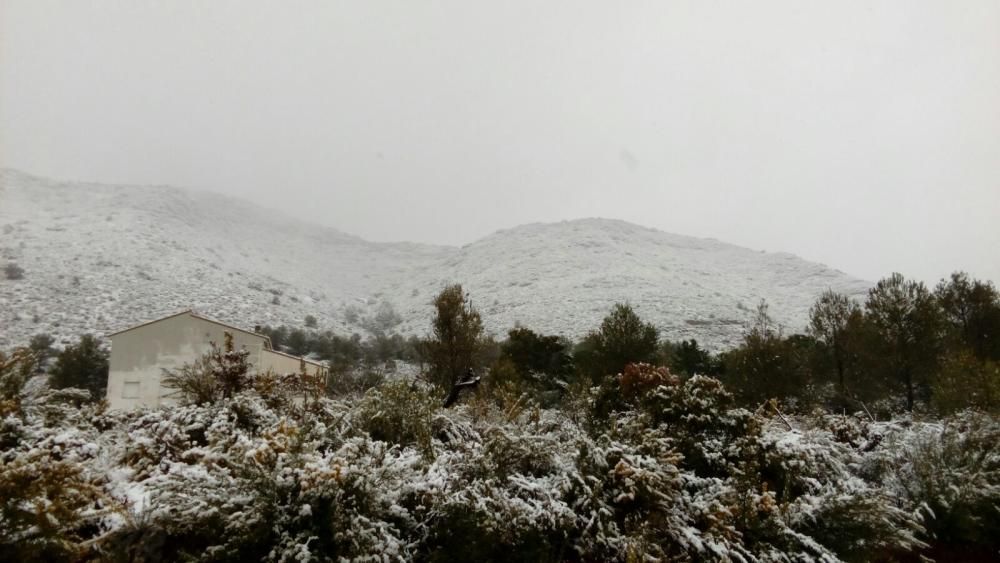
[(140, 354)]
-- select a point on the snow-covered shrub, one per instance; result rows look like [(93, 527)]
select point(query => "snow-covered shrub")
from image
[(51, 500), (824, 506), (674, 472), (209, 486), (399, 413), (949, 471), (700, 417), (15, 369), (46, 503)]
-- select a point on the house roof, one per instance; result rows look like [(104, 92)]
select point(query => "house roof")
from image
[(197, 315), (303, 358)]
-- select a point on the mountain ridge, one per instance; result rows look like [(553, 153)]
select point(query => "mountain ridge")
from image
[(99, 257)]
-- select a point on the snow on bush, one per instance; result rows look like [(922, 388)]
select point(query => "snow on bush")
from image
[(672, 471)]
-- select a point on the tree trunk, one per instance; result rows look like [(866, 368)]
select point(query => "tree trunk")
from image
[(908, 378)]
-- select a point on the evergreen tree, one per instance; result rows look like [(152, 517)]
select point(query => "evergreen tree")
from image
[(907, 323), (829, 319), (297, 342), (534, 355), (84, 365), (762, 368), (690, 359), (457, 337), (971, 309), (41, 346), (623, 338)]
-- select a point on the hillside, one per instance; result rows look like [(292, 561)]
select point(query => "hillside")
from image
[(97, 258)]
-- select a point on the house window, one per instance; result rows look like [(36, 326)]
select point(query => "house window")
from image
[(130, 390)]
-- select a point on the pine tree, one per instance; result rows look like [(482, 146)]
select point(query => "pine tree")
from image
[(972, 311), (907, 322), (829, 319), (84, 366), (623, 338), (762, 367), (457, 337), (690, 359)]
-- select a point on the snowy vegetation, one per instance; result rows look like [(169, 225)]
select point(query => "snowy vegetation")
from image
[(678, 473), (639, 465)]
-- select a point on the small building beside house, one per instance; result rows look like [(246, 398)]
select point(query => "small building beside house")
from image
[(140, 354)]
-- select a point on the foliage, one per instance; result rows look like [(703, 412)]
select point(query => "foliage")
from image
[(907, 322), (964, 382), (536, 363), (638, 463), (680, 473), (767, 365), (83, 366), (399, 413), (457, 337), (971, 308), (688, 358), (219, 374), (621, 339), (829, 321), (949, 472), (15, 369), (41, 346)]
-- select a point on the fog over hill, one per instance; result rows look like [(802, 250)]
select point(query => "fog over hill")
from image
[(98, 258)]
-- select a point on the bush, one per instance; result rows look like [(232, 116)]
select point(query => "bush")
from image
[(399, 413), (950, 472), (13, 272), (219, 374), (965, 382), (15, 370)]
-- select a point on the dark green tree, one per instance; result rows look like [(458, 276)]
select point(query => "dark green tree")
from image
[(41, 346), (971, 310), (767, 365), (907, 323), (690, 359), (297, 342), (623, 338), (829, 319), (457, 339), (535, 356), (83, 365)]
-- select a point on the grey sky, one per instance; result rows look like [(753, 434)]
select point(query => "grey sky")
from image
[(865, 135)]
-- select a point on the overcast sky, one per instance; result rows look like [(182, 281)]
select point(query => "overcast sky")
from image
[(864, 135)]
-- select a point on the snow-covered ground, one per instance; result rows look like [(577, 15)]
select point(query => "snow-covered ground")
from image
[(98, 258)]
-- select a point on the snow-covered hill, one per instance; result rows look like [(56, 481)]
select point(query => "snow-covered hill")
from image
[(97, 258)]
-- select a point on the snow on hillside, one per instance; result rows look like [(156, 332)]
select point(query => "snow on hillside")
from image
[(98, 258)]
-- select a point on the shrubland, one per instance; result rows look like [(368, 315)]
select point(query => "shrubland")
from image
[(832, 446)]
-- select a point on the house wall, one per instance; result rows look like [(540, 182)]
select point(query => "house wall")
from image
[(138, 356)]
